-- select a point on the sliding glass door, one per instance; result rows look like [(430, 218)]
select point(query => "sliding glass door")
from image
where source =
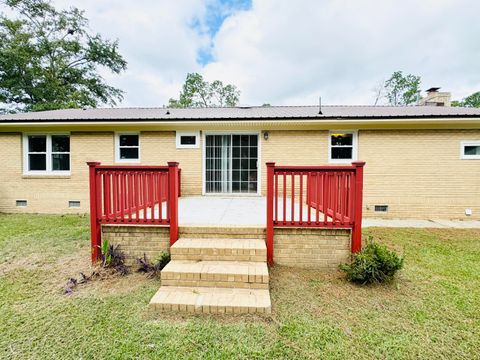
[(231, 163)]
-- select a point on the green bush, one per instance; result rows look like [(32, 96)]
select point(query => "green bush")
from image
[(374, 264), (153, 269)]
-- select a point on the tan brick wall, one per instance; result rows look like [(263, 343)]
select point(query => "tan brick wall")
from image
[(135, 241), (157, 148), (419, 174), (311, 248), (293, 148)]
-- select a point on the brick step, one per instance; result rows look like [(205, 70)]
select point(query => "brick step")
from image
[(237, 232), (211, 300), (226, 274), (219, 249)]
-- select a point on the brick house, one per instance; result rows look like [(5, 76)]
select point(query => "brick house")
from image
[(421, 162)]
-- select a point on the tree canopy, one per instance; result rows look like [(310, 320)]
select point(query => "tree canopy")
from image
[(402, 89), (50, 60), (197, 92), (470, 101)]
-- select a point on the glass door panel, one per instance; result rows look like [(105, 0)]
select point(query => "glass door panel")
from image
[(231, 163)]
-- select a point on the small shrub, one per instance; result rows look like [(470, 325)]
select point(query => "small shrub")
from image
[(374, 264), (152, 269), (113, 258)]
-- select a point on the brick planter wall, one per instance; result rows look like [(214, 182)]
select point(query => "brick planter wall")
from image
[(136, 240), (311, 248)]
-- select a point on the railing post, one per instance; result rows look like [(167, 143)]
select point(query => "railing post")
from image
[(270, 175), (95, 228), (358, 203), (173, 186)]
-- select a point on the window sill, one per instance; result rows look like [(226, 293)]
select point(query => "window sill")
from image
[(46, 176)]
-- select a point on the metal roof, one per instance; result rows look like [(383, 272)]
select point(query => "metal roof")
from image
[(241, 113)]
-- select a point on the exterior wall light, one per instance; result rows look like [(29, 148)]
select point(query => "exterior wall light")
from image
[(265, 135)]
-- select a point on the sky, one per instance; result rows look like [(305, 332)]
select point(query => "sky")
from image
[(285, 52)]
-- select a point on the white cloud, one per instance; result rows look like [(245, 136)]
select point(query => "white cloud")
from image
[(290, 52)]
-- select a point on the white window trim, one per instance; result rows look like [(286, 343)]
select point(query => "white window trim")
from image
[(48, 153), (463, 144), (259, 162), (117, 148), (354, 147), (179, 134)]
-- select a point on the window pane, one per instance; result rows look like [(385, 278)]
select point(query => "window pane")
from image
[(37, 162), (188, 140), (60, 162), (60, 143), (472, 150), (342, 139), (128, 140), (129, 153), (342, 153), (37, 143)]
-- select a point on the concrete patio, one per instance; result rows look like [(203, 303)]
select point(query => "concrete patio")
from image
[(251, 211)]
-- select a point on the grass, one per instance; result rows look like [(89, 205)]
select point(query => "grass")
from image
[(430, 311)]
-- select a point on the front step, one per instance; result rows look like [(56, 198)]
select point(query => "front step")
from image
[(216, 232), (211, 300), (219, 249), (226, 274)]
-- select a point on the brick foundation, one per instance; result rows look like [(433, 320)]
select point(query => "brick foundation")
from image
[(311, 248), (135, 241)]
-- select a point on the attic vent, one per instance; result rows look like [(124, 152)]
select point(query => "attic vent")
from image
[(21, 203), (381, 208), (74, 204)]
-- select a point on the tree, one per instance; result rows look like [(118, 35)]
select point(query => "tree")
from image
[(470, 101), (402, 90), (49, 59), (197, 92)]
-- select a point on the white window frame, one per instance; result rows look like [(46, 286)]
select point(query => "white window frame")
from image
[(179, 134), (117, 148), (354, 147), (48, 154), (463, 144)]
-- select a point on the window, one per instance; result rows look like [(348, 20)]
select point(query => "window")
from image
[(470, 150), (342, 146), (46, 154), (127, 147), (187, 140)]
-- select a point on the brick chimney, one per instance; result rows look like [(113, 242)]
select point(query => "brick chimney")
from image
[(435, 98)]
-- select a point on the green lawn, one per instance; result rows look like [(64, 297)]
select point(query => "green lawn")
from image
[(431, 311)]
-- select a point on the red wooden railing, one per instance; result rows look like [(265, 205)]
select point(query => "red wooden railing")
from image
[(314, 196), (133, 195)]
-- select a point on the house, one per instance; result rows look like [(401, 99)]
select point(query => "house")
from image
[(421, 162)]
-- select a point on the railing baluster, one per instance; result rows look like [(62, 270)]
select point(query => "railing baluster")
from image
[(317, 186), (301, 198), (276, 197), (160, 200), (284, 197), (152, 202), (335, 190), (292, 219), (309, 196), (325, 202)]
